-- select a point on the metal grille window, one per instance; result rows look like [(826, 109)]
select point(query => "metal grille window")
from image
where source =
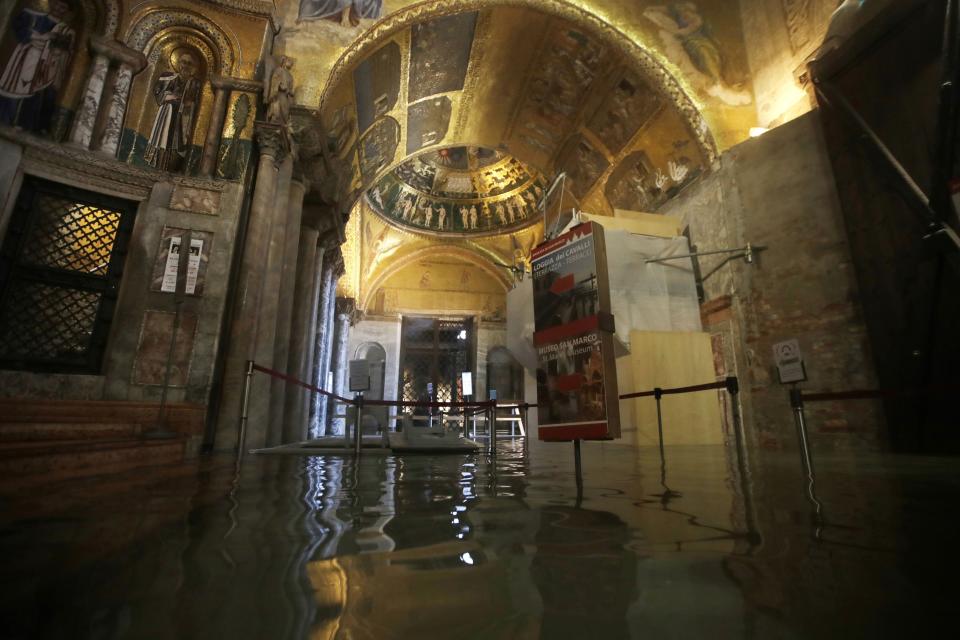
[(435, 351), (60, 268)]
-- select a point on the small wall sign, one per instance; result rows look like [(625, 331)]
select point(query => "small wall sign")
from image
[(789, 360)]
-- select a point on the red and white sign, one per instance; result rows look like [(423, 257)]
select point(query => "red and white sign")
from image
[(576, 370)]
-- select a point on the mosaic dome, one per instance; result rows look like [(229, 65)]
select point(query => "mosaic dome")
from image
[(459, 190)]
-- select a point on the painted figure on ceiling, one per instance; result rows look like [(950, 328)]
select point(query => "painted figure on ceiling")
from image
[(347, 12), (690, 44), (35, 71), (176, 93)]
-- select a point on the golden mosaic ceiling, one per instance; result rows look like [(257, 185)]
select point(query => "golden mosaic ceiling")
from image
[(459, 190), (554, 93)]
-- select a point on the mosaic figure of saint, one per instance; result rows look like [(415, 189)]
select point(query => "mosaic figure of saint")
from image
[(473, 216), (441, 216), (35, 71), (347, 13), (406, 208), (176, 93), (427, 215), (500, 213), (465, 217)]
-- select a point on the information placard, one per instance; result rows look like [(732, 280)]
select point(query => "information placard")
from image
[(359, 375), (576, 367)]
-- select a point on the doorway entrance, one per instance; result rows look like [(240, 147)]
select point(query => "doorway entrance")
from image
[(435, 351)]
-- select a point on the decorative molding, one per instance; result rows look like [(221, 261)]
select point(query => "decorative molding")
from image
[(272, 140), (94, 170), (236, 84), (156, 21), (119, 52)]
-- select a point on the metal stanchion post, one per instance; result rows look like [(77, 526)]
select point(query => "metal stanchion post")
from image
[(244, 407), (493, 428), (358, 421), (657, 394), (578, 471), (796, 402), (733, 388)]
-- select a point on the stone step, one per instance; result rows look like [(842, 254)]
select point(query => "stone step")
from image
[(41, 461), (55, 430)]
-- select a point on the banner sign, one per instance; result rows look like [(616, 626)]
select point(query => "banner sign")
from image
[(576, 371)]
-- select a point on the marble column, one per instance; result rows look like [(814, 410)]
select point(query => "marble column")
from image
[(303, 328), (323, 342), (261, 406), (211, 145), (130, 63), (341, 357), (253, 265), (86, 117), (288, 277)]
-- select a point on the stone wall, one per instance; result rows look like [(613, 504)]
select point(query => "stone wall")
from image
[(778, 191), (134, 362)]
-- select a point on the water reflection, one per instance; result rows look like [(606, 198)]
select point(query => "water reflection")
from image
[(692, 544)]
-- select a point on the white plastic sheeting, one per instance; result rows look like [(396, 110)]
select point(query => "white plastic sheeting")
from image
[(644, 297), (520, 323), (660, 296)]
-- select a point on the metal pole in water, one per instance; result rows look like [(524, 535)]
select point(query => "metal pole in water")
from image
[(657, 394), (357, 431), (578, 471), (493, 428), (244, 407), (796, 401)]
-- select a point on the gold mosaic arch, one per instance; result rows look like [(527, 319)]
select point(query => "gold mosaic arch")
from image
[(469, 256), (619, 52), (653, 68)]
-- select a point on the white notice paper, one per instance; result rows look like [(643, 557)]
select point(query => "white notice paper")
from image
[(169, 284), (193, 265)]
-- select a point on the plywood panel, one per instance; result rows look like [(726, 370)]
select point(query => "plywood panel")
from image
[(675, 359)]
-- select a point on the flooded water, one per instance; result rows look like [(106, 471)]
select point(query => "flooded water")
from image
[(477, 547)]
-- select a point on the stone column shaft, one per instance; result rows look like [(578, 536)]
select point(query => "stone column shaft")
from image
[(211, 145), (288, 277), (268, 312), (110, 140), (318, 409), (303, 333), (341, 358), (86, 118), (250, 283)]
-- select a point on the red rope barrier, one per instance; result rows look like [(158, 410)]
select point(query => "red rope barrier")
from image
[(283, 376), (432, 405)]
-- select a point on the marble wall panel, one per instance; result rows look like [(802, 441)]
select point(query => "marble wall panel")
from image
[(155, 336)]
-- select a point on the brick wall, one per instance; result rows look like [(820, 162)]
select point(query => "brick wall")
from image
[(778, 191)]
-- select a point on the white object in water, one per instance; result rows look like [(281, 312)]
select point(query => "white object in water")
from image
[(435, 438)]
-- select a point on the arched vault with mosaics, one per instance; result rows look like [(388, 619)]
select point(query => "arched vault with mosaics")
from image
[(334, 168), (632, 266)]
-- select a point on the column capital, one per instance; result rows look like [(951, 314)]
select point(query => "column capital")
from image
[(236, 84), (346, 306), (329, 241), (317, 216), (271, 139), (119, 52)]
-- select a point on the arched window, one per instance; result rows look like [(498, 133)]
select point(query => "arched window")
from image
[(376, 355)]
